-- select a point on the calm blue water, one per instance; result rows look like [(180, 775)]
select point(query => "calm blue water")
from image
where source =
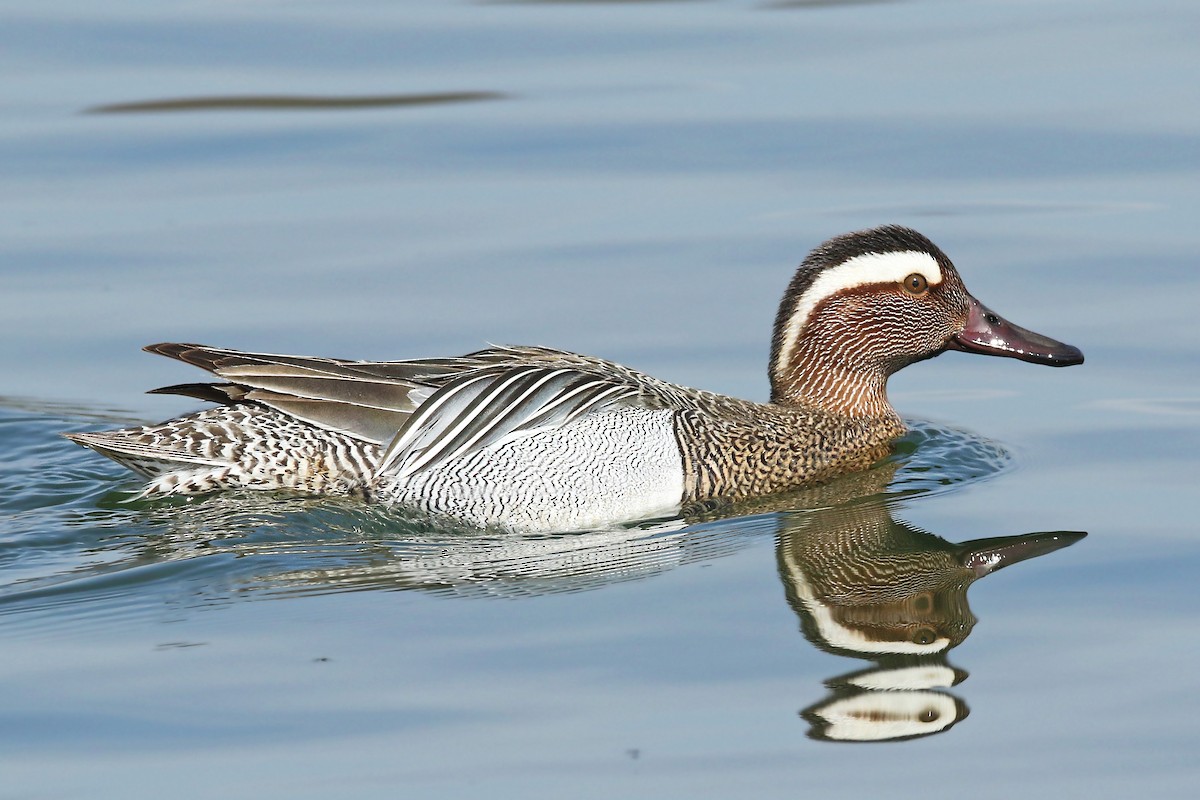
[(636, 181)]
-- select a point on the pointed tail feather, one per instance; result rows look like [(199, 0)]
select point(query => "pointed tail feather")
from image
[(149, 460)]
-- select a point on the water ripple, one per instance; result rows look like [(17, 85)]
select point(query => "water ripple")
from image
[(77, 545)]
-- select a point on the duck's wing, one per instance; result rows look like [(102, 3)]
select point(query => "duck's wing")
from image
[(362, 399), (498, 403), (425, 410)]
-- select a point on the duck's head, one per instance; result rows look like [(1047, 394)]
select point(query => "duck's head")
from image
[(866, 304)]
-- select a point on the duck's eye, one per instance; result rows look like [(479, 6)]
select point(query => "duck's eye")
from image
[(915, 284)]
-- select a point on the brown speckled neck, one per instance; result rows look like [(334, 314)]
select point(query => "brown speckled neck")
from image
[(843, 391)]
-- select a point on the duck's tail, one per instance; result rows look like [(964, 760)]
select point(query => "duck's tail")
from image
[(231, 447)]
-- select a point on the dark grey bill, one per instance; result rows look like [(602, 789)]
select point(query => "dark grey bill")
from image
[(989, 334)]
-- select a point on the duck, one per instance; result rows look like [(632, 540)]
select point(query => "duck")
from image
[(534, 439)]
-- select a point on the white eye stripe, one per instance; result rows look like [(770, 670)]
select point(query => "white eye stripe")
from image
[(861, 270)]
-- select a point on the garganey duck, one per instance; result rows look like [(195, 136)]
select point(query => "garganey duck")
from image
[(535, 439)]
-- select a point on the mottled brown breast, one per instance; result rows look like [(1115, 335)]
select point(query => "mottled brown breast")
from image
[(741, 450)]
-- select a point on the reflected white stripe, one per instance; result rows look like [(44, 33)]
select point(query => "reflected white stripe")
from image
[(880, 716)]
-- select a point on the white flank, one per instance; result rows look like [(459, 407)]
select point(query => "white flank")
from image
[(883, 268)]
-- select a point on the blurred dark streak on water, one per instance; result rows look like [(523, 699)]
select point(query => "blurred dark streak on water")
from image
[(282, 102)]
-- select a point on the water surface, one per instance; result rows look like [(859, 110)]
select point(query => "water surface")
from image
[(635, 181)]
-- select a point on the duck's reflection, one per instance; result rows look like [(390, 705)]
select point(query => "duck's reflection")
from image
[(866, 585), (863, 584)]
